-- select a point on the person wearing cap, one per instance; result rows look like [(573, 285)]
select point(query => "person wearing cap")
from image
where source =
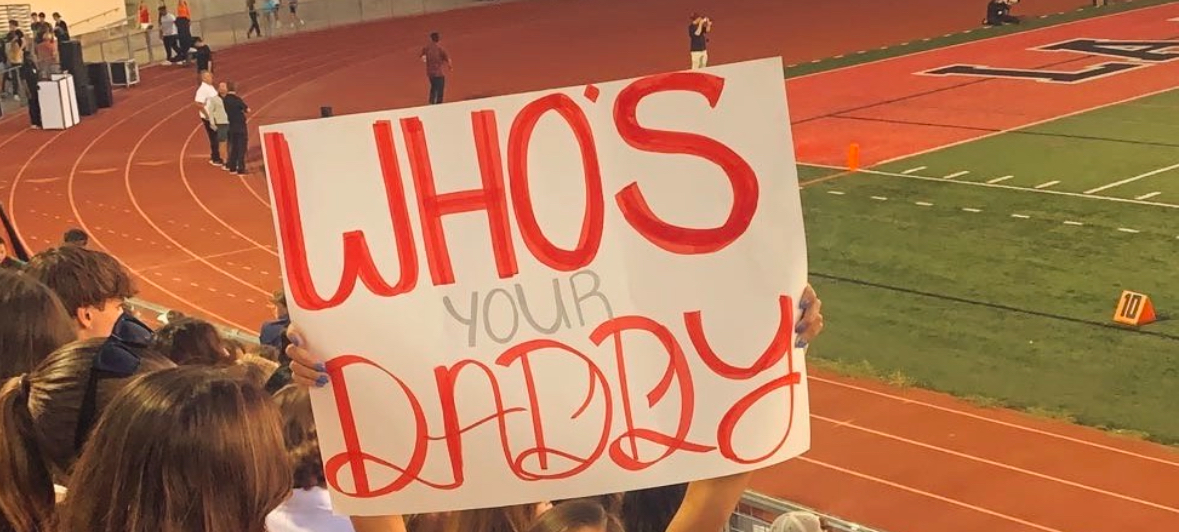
[(800, 522), (698, 31)]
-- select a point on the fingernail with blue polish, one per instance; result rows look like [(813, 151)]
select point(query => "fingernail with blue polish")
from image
[(800, 344), (321, 381), (297, 341), (800, 327), (319, 367)]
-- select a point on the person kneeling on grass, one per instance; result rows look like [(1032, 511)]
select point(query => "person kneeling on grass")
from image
[(999, 13)]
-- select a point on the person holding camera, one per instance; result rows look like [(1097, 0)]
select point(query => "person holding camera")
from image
[(999, 13), (698, 31)]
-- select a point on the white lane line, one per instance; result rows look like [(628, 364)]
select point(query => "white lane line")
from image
[(1132, 179), (1148, 196), (914, 170), (957, 174), (1128, 230), (1047, 185), (1000, 179)]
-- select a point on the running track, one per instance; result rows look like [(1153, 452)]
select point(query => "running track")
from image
[(202, 242)]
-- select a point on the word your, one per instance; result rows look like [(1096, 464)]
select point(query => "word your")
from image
[(520, 305), (536, 459), (493, 196)]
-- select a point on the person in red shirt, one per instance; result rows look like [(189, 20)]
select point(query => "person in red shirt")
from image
[(144, 15), (437, 64)]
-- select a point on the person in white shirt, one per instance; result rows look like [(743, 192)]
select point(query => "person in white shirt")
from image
[(308, 508), (171, 36), (204, 93), (220, 120)]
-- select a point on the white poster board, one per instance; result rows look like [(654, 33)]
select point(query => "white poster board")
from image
[(549, 295)]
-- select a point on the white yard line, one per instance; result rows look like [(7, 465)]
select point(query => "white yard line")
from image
[(1000, 179), (914, 170), (1070, 222), (924, 204), (879, 198), (1023, 189), (1132, 179), (835, 192), (969, 209), (1021, 216), (1128, 230), (957, 174), (1148, 196), (1049, 184)]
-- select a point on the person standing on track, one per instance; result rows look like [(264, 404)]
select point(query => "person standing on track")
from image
[(698, 31), (252, 9), (294, 7), (437, 62), (204, 93), (204, 55), (170, 36), (239, 133), (184, 29)]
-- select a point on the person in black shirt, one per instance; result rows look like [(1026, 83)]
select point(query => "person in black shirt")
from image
[(31, 77), (239, 133), (999, 13), (698, 31), (204, 55), (61, 28)]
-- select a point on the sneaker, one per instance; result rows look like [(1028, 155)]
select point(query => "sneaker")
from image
[(217, 163)]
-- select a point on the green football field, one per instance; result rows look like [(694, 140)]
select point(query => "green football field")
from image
[(992, 269)]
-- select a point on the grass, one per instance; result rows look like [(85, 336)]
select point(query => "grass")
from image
[(975, 34), (1012, 311)]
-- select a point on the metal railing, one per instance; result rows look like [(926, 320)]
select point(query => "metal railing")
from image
[(756, 512)]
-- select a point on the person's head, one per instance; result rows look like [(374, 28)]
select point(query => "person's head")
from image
[(580, 515), (163, 9), (41, 17), (302, 441), (435, 37), (35, 323), (57, 16), (192, 342), (222, 88), (181, 450), (696, 17), (91, 284), (43, 422), (799, 522), (76, 237), (13, 25), (504, 519), (651, 510), (206, 77), (278, 300), (230, 87), (198, 42)]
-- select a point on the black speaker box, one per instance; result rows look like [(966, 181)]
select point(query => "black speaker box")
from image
[(100, 78), (70, 54), (87, 103)]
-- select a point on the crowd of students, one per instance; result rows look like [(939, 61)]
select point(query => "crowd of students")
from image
[(109, 426)]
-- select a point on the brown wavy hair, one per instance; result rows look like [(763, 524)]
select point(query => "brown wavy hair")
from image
[(38, 419), (192, 342), (518, 518), (189, 449), (33, 323), (300, 437), (575, 515)]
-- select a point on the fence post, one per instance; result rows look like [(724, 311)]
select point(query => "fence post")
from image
[(127, 42), (151, 52)]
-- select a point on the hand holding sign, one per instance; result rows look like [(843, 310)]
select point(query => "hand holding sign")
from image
[(549, 295)]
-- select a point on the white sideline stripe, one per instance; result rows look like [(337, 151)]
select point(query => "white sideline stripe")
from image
[(1070, 222), (1128, 230), (914, 170), (836, 192), (1000, 179), (934, 496), (879, 198), (957, 174), (995, 38), (1132, 179), (968, 209), (1007, 424), (1148, 196), (924, 204), (1001, 465), (1048, 184), (1029, 124), (1021, 216), (1024, 189)]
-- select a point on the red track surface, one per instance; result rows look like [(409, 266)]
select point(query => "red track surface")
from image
[(202, 242), (905, 113)]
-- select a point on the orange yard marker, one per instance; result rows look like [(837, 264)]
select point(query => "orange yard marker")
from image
[(853, 157), (1134, 309)]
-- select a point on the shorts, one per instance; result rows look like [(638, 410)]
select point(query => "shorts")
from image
[(294, 9), (222, 133)]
